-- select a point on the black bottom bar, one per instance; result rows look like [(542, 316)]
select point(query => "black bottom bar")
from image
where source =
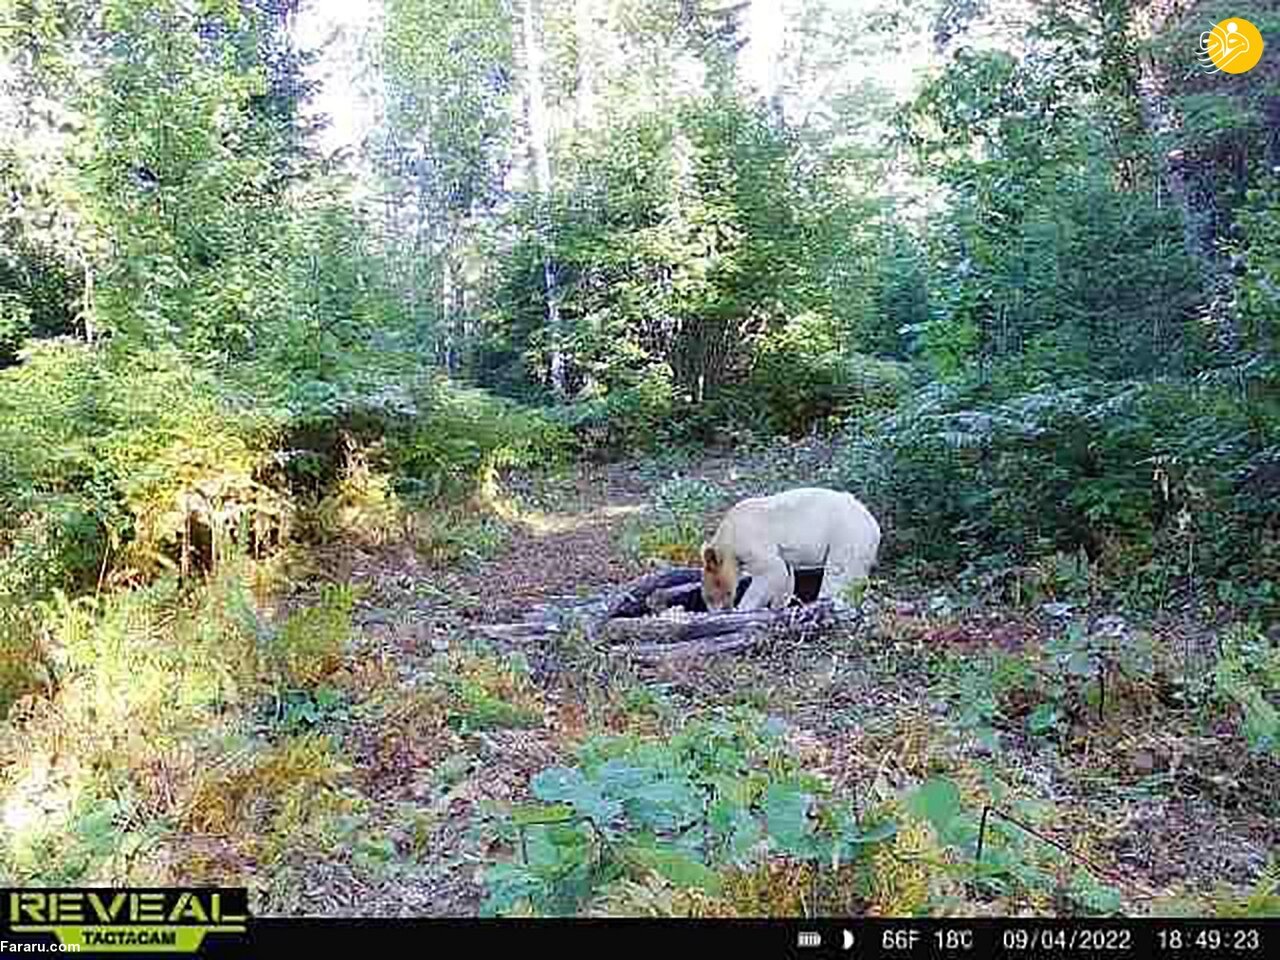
[(986, 938)]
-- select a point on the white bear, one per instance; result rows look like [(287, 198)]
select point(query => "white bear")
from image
[(769, 536)]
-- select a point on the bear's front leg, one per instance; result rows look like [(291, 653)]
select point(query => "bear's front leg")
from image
[(772, 584)]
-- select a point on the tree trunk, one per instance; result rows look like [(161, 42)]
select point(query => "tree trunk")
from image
[(1176, 173), (448, 320), (584, 29), (1187, 180), (538, 149)]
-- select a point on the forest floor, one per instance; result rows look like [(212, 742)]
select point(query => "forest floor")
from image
[(1151, 800)]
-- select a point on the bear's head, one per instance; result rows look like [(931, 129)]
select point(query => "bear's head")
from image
[(719, 578)]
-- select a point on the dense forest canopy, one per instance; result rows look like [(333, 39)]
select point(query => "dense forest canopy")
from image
[(278, 277)]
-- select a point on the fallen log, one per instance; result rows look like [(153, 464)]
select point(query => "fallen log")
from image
[(700, 635), (526, 631), (658, 652), (632, 599), (687, 596), (693, 626), (662, 615)]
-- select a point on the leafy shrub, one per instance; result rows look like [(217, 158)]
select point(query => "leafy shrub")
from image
[(448, 535), (1262, 900), (144, 455), (466, 437), (108, 653), (676, 528), (362, 507), (489, 692), (56, 543), (126, 465), (310, 643), (1248, 676), (938, 844), (804, 376), (139, 735), (290, 791), (720, 793), (631, 416), (987, 690), (1177, 472), (21, 659), (15, 325)]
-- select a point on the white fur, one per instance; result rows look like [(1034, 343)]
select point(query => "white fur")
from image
[(804, 527)]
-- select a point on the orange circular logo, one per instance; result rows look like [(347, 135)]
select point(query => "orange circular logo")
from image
[(1232, 46)]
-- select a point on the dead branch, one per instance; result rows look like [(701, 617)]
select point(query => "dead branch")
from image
[(630, 600), (661, 615), (655, 652)]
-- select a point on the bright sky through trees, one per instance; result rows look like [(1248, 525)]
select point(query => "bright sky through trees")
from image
[(339, 27)]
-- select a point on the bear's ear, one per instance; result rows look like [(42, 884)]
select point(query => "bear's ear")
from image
[(710, 559)]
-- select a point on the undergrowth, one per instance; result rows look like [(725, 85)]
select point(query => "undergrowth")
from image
[(677, 524), (719, 820), (148, 730)]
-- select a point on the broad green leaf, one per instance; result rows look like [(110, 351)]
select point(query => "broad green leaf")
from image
[(722, 814), (677, 867), (735, 826), (665, 805), (737, 790), (553, 849), (1080, 664), (563, 784), (937, 801), (619, 778), (1095, 896), (508, 885), (1043, 719), (786, 813), (536, 813)]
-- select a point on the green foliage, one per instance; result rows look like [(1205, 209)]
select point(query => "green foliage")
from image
[(127, 454), (461, 536), (677, 525), (988, 691), (55, 543), (1015, 862), (676, 252), (114, 463), (637, 414), (488, 693), (96, 845), (1263, 900), (1078, 467), (306, 710), (133, 742), (311, 643), (250, 325), (22, 670), (720, 792), (937, 801), (187, 209), (483, 711), (803, 376), (466, 436), (1247, 675), (1259, 249), (15, 325), (110, 646)]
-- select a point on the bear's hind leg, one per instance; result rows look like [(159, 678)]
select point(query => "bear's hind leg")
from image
[(844, 567)]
